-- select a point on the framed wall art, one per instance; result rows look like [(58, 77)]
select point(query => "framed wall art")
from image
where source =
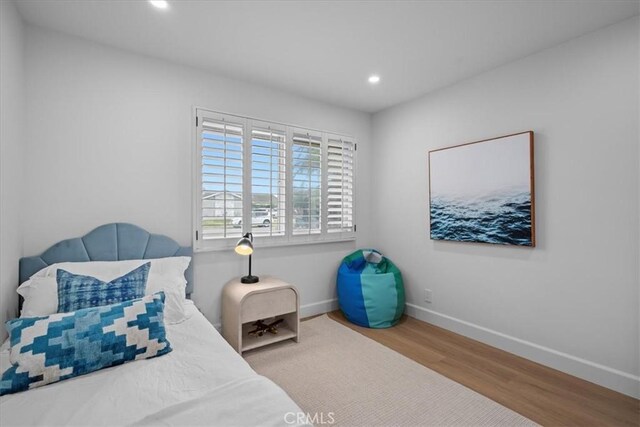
[(483, 191)]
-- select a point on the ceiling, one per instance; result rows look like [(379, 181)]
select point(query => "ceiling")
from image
[(326, 49)]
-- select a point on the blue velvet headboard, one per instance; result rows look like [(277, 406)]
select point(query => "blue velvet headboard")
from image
[(109, 242)]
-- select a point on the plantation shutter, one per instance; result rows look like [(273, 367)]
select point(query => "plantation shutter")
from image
[(286, 185), (268, 179), (222, 176), (306, 165), (340, 183)]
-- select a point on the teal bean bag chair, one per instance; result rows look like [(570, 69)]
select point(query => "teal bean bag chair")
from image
[(370, 289)]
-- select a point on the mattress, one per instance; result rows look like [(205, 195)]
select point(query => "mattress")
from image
[(201, 382)]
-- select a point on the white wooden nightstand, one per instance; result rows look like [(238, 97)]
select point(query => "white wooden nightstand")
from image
[(244, 304)]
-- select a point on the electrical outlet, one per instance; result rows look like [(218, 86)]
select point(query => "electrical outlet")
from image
[(427, 295)]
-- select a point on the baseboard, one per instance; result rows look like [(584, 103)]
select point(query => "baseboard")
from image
[(319, 307), (605, 376)]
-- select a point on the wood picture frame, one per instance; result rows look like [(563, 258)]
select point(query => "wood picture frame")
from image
[(484, 191)]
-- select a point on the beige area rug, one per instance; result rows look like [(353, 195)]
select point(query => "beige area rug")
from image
[(337, 374)]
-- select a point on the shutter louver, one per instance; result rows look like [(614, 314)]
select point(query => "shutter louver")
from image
[(306, 182), (222, 178), (340, 170)]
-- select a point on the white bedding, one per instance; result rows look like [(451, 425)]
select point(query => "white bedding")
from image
[(201, 382)]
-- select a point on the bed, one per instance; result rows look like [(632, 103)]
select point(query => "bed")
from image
[(201, 382)]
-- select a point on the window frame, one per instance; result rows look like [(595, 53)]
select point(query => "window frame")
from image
[(289, 238)]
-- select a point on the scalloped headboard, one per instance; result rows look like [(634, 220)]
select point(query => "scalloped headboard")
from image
[(109, 242)]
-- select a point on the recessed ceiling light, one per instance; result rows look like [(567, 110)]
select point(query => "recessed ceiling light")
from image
[(374, 79), (160, 4)]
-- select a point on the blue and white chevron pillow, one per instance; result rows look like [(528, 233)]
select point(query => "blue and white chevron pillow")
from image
[(76, 291), (65, 345)]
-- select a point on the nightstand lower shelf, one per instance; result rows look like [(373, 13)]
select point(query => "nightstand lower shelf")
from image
[(249, 342)]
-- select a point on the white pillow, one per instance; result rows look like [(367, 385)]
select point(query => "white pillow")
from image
[(40, 297), (40, 292)]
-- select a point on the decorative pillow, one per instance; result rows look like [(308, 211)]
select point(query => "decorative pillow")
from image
[(40, 292), (76, 291), (65, 345)]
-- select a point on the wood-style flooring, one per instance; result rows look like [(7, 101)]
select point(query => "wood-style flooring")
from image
[(544, 395)]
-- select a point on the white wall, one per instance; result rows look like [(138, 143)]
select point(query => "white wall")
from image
[(11, 156), (109, 139), (575, 296)]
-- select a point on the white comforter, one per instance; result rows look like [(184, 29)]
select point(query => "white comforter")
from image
[(201, 382)]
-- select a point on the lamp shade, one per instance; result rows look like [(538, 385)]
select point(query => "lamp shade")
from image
[(244, 246)]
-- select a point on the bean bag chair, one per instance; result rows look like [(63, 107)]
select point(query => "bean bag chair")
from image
[(370, 289)]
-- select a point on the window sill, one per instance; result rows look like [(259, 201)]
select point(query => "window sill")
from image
[(230, 243)]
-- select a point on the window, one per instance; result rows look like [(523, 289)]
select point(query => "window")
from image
[(285, 184), (340, 167), (268, 178), (306, 182), (222, 177)]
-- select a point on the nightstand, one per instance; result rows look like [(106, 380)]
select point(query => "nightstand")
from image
[(270, 299)]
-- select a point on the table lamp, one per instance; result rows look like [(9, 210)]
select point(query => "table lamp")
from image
[(245, 247)]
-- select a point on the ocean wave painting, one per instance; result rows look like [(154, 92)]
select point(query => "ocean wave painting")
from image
[(483, 191), (503, 218)]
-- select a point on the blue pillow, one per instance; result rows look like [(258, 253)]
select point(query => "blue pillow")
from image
[(76, 291), (65, 345)]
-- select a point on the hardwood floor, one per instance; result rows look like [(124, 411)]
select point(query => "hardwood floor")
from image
[(544, 395)]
